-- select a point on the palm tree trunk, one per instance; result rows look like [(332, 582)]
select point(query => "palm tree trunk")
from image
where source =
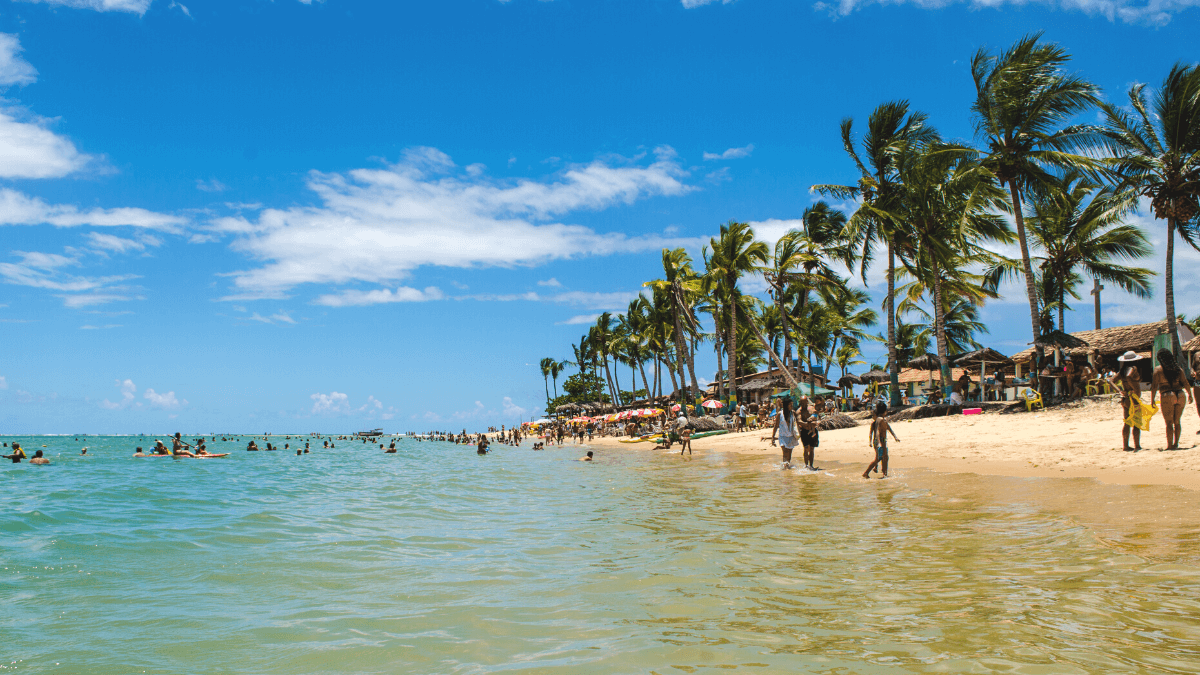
[(645, 382), (787, 339), (691, 364), (1169, 287), (547, 381), (832, 356), (671, 370), (608, 375), (679, 351), (893, 357), (616, 375), (722, 374), (1030, 283), (733, 344), (939, 328), (1062, 296), (792, 383)]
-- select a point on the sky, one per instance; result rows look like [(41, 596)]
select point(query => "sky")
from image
[(295, 216)]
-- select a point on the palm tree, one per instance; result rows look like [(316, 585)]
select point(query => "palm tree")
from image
[(601, 336), (735, 253), (556, 369), (1077, 233), (680, 282), (546, 365), (1022, 99), (949, 203), (891, 131), (1158, 155)]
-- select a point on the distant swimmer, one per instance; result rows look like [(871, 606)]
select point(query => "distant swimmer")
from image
[(139, 453), (38, 459), (482, 447), (252, 447), (84, 451), (587, 458), (160, 449), (17, 454)]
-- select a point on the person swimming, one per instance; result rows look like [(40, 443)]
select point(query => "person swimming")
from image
[(586, 458)]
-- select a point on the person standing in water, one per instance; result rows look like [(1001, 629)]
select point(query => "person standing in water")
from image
[(1170, 381), (878, 439), (785, 430), (1129, 383)]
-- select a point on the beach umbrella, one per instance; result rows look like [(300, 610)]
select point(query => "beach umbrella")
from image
[(928, 362), (849, 381), (805, 389), (876, 375), (713, 404)]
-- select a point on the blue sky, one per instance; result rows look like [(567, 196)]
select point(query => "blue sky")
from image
[(294, 216)]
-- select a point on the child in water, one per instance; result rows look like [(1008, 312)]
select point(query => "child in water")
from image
[(878, 439)]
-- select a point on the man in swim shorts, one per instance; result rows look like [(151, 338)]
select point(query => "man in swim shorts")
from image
[(878, 439), (38, 459)]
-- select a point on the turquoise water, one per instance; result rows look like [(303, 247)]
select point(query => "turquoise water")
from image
[(435, 560)]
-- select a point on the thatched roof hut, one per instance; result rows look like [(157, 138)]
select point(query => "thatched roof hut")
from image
[(762, 383), (1193, 346), (1112, 342)]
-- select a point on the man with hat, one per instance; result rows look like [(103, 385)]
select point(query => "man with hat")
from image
[(1129, 382)]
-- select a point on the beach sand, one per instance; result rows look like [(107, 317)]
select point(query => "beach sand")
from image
[(1081, 440)]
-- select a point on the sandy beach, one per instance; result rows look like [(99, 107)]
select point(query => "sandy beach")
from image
[(1080, 440)]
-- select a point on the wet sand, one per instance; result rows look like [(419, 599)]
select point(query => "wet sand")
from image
[(1082, 440)]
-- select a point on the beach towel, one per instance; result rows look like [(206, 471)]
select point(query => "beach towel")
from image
[(1140, 414)]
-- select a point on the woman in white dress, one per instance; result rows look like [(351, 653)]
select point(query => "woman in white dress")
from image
[(785, 430)]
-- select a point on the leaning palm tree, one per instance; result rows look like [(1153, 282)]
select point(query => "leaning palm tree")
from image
[(1158, 155), (735, 253), (680, 283), (1022, 100), (1079, 226), (891, 131)]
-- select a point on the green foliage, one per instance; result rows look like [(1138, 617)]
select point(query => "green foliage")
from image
[(581, 388)]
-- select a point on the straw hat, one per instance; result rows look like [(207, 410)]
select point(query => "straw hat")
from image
[(1130, 356)]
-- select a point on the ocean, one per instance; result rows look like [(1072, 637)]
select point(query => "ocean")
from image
[(436, 560)]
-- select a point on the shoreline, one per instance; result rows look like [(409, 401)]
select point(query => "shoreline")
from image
[(1081, 440)]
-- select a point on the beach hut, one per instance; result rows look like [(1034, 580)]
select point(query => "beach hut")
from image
[(981, 358), (1104, 346)]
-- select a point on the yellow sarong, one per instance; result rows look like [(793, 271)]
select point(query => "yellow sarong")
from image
[(1140, 414)]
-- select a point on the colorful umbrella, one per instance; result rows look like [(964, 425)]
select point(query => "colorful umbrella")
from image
[(713, 403)]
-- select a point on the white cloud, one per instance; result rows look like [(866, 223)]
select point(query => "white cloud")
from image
[(551, 282), (1155, 12), (353, 298), (182, 7), (689, 4), (3, 382), (29, 150), (211, 185), (378, 225), (579, 319), (333, 403), (276, 318), (165, 401), (512, 410), (20, 209), (133, 6), (44, 270), (731, 153), (13, 68), (104, 327), (615, 300), (90, 299), (128, 389), (115, 244)]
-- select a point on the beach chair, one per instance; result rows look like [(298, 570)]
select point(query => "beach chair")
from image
[(1032, 398)]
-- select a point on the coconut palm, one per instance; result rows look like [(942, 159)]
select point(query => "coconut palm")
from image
[(1022, 100), (546, 365), (949, 204), (891, 131), (735, 253), (1078, 226), (1158, 155), (680, 283)]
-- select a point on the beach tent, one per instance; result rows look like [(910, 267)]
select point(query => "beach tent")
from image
[(542, 421), (981, 358)]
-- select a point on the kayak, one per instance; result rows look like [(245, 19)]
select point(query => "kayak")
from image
[(706, 434), (647, 439), (220, 454)]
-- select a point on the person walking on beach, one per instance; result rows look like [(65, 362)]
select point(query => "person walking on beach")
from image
[(1170, 380), (808, 433), (878, 439), (1129, 383), (785, 430)]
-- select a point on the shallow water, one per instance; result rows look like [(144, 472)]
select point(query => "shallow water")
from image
[(435, 560)]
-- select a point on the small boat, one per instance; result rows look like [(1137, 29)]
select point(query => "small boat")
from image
[(369, 434)]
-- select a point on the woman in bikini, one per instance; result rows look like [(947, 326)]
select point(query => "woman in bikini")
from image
[(1129, 383), (1170, 381)]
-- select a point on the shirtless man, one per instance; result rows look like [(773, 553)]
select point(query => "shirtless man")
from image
[(1170, 380), (878, 439), (685, 440), (1129, 383), (586, 458), (38, 459)]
